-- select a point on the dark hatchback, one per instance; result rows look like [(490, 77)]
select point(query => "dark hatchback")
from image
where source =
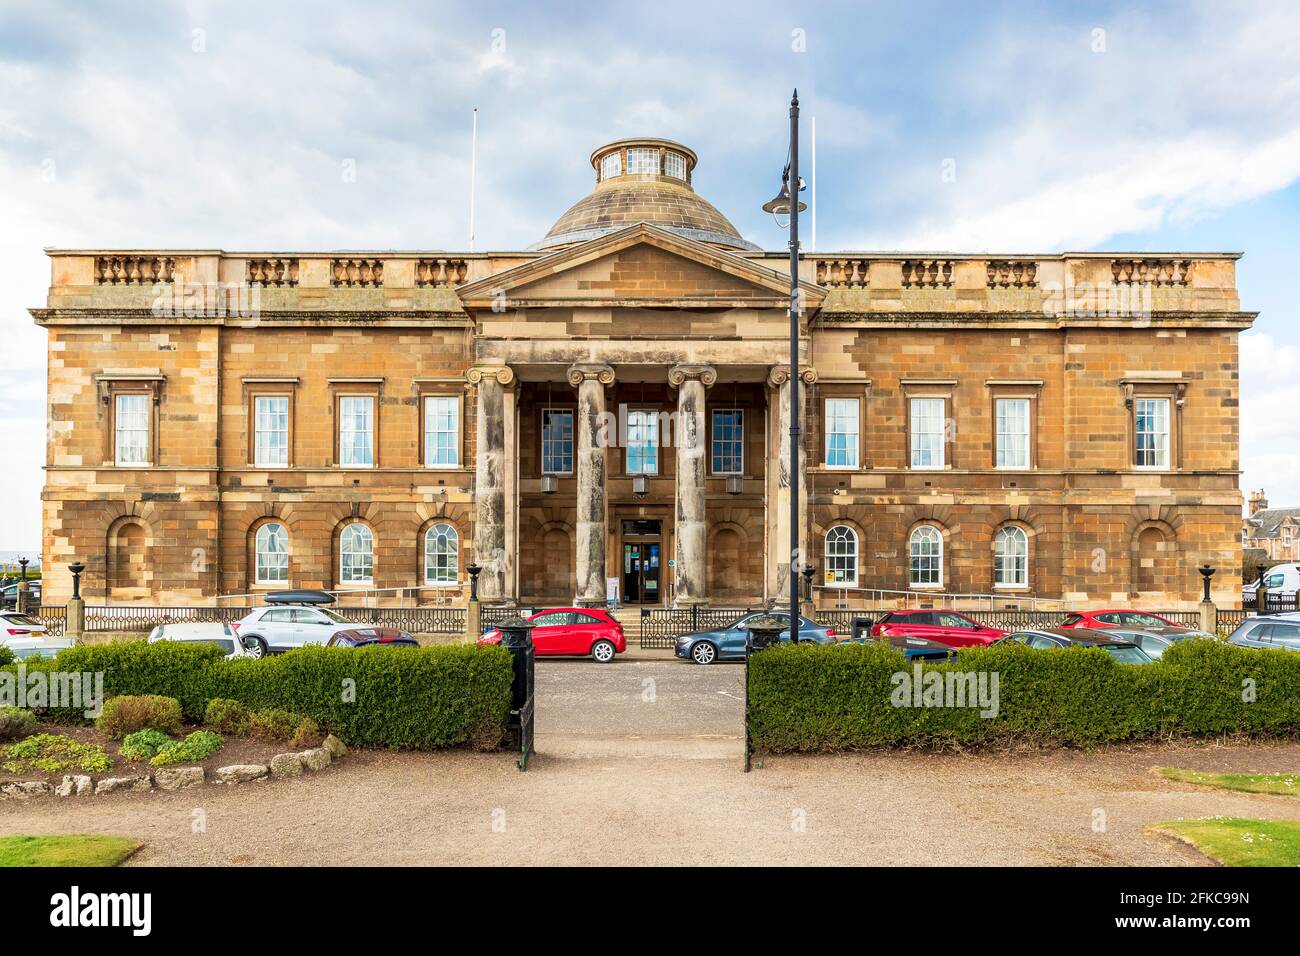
[(1269, 632), (372, 637), (1050, 638), (913, 648)]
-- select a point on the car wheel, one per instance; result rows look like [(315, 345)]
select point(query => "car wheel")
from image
[(602, 651), (704, 653), (256, 647)]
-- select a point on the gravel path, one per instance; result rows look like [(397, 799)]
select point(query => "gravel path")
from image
[(632, 772)]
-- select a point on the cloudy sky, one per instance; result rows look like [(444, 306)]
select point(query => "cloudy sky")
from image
[(1070, 126)]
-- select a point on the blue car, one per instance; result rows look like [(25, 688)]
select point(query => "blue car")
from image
[(728, 643), (913, 648)]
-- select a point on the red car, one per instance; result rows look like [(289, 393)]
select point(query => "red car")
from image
[(572, 631), (946, 627), (1116, 618)]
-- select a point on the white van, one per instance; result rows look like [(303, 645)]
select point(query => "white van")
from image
[(1282, 580)]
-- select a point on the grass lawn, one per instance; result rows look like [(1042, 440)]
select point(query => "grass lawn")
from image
[(1234, 841), (1284, 784), (75, 850)]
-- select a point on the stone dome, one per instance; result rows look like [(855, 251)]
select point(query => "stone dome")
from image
[(643, 180)]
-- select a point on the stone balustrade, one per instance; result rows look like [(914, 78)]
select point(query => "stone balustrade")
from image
[(842, 273), (133, 270), (927, 273), (1157, 272), (441, 273), (357, 272), (276, 272), (1012, 273)]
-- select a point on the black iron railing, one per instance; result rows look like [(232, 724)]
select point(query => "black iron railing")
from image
[(140, 617), (661, 625), (53, 616)]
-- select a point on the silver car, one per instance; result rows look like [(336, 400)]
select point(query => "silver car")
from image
[(1155, 641), (201, 632)]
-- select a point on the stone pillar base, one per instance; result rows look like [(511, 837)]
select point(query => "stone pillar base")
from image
[(76, 621), (473, 621), (1209, 617)]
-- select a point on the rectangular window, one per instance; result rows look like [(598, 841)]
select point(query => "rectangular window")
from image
[(357, 431), (642, 161), (1012, 432), (271, 431), (131, 430), (927, 432), (728, 451), (642, 442), (674, 165), (557, 441), (1151, 432), (441, 431), (841, 433), (611, 166)]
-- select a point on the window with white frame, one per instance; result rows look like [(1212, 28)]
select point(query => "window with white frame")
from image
[(927, 430), (841, 433), (1011, 558), (1151, 432), (441, 555), (271, 431), (357, 431), (925, 558), (1012, 432), (441, 431), (642, 442), (356, 555), (728, 451), (271, 554), (841, 557), (611, 166), (131, 429), (674, 165), (557, 441), (642, 161)]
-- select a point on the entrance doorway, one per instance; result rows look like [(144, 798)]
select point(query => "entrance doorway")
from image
[(641, 562)]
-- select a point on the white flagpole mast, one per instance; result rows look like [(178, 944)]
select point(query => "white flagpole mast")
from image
[(812, 246), (473, 162)]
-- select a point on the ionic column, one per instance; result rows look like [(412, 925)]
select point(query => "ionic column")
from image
[(779, 516), (590, 381), (692, 525), (492, 466)]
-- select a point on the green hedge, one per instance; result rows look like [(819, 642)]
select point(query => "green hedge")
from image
[(810, 698), (406, 698)]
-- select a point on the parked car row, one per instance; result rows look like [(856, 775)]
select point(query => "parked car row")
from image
[(9, 594)]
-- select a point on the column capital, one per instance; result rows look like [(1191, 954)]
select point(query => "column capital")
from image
[(504, 374), (686, 370), (580, 372), (780, 374)]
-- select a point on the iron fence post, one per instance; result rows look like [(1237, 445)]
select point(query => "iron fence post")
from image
[(517, 639)]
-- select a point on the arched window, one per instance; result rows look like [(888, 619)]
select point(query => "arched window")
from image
[(1011, 558), (356, 555), (925, 558), (441, 555), (841, 557), (271, 555)]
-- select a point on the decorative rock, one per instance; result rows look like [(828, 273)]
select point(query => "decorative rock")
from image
[(286, 765), (178, 778), (138, 784), (77, 783), (318, 758), (241, 772), (25, 788), (336, 747)]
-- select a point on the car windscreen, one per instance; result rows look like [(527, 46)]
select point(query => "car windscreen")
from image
[(1126, 654), (22, 653)]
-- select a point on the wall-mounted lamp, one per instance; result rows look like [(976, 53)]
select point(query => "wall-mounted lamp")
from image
[(550, 484), (640, 486), (735, 484)]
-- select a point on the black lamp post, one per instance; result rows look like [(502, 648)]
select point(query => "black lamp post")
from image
[(807, 572), (1207, 572), (22, 565), (1261, 592), (473, 570), (76, 568), (786, 202)]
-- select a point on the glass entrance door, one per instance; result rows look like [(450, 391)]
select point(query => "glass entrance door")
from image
[(641, 572)]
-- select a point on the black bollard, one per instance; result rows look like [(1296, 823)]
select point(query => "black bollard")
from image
[(516, 637)]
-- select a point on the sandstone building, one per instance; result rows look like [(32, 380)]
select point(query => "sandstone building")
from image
[(1275, 531), (607, 409)]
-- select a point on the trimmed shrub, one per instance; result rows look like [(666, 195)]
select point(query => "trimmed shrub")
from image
[(275, 724), (130, 712), (419, 699), (6, 656), (197, 746), (16, 722), (143, 744), (227, 716), (809, 698)]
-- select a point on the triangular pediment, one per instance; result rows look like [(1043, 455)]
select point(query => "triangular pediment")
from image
[(641, 264)]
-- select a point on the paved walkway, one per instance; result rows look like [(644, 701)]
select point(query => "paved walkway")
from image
[(639, 763)]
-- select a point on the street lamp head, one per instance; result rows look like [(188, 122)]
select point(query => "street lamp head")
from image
[(779, 205)]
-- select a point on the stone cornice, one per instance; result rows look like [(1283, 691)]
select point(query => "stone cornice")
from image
[(349, 317), (1034, 320)]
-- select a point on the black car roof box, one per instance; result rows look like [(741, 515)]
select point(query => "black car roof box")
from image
[(300, 597)]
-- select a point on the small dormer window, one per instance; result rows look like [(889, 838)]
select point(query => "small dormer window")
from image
[(643, 161), (611, 166), (675, 165)]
